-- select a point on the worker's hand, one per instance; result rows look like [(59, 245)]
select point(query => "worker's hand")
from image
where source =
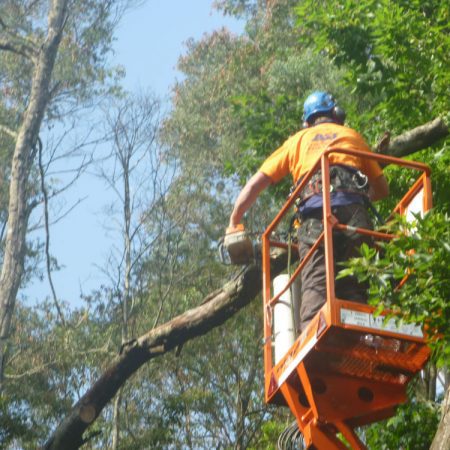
[(234, 229), (231, 233), (238, 244)]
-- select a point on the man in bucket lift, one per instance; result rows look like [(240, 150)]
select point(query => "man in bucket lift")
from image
[(354, 182)]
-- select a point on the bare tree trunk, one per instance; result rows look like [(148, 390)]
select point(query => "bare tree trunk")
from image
[(125, 163), (427, 387), (116, 421), (432, 381), (244, 396), (19, 208), (441, 439)]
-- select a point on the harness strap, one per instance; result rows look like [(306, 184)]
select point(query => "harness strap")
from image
[(342, 179)]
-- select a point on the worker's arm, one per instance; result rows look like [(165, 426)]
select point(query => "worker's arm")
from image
[(378, 189), (248, 196)]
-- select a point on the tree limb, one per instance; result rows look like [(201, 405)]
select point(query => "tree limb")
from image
[(8, 131), (19, 48), (418, 138), (214, 310), (441, 439), (47, 235)]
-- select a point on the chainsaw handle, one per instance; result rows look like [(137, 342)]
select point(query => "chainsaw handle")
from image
[(223, 254)]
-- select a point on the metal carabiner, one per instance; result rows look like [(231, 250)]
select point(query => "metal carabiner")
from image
[(360, 179)]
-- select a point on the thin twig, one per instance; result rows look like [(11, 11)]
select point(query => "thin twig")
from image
[(47, 235), (8, 131)]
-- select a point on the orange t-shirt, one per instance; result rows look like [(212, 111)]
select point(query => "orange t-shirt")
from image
[(301, 151)]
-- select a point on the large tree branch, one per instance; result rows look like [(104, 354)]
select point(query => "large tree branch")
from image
[(19, 48), (214, 310), (418, 138)]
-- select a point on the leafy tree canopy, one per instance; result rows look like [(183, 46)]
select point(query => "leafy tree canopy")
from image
[(422, 251), (394, 54)]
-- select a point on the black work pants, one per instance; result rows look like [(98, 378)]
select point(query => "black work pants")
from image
[(345, 246)]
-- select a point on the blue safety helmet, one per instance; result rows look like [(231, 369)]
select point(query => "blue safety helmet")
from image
[(317, 102)]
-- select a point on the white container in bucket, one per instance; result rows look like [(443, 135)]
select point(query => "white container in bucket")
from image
[(283, 323)]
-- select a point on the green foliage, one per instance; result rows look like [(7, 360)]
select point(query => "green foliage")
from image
[(219, 385), (394, 54), (269, 117), (242, 97), (412, 428), (81, 73), (208, 395), (270, 432), (81, 69), (421, 251), (440, 164), (12, 423), (401, 179), (237, 8), (48, 367)]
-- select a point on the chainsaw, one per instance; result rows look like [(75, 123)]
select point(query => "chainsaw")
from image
[(236, 247)]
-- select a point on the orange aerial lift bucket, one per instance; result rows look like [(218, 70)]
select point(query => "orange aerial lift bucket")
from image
[(349, 367)]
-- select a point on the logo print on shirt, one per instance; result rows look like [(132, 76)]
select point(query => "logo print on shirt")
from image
[(324, 137)]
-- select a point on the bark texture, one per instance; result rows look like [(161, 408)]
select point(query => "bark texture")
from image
[(19, 195), (418, 138), (441, 439), (214, 310)]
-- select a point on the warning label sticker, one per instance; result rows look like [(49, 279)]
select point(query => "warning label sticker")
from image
[(367, 320)]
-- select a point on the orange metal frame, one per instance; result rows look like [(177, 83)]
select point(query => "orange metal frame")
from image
[(347, 368)]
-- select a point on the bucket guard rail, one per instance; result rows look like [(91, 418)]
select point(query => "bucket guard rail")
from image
[(348, 367)]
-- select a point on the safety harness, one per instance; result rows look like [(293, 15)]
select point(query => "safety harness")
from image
[(342, 179)]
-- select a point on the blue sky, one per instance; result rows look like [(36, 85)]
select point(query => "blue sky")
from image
[(149, 41), (151, 38)]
